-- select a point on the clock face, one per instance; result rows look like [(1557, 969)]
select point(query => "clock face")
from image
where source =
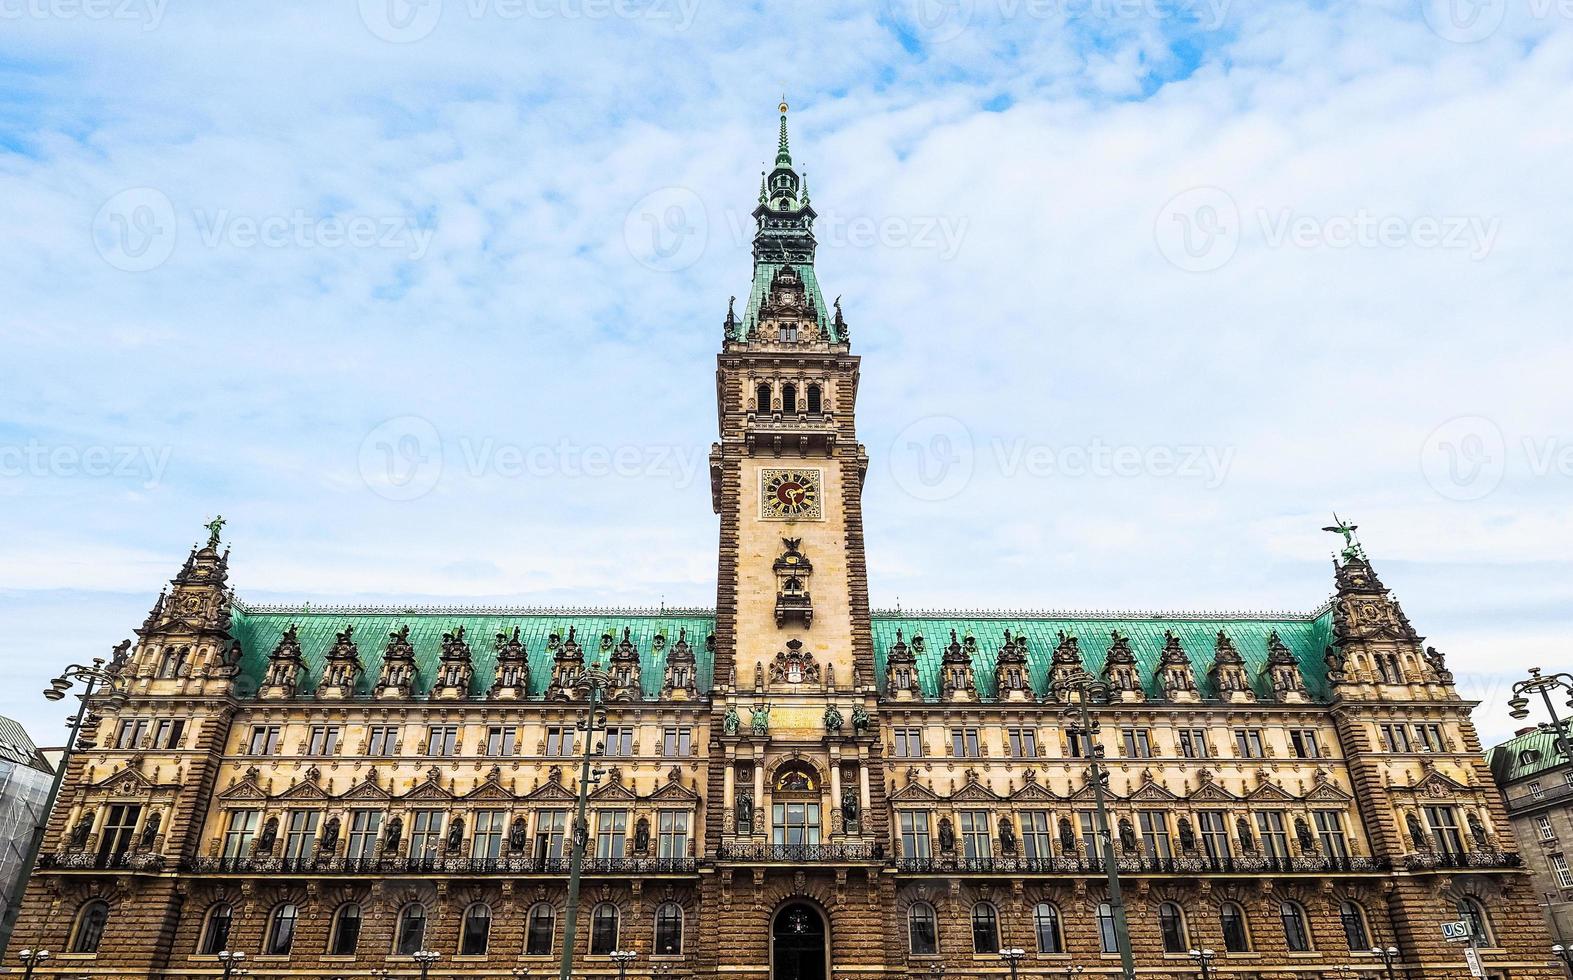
[(790, 495)]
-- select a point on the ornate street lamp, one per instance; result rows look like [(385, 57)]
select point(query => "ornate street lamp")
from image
[(31, 958), (1081, 690), (99, 674), (1203, 958), (1072, 972), (936, 970), (623, 957), (231, 961), (1013, 956), (594, 679), (425, 958), (1543, 686), (1389, 955), (1565, 954)]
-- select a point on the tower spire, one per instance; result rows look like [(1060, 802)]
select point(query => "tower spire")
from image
[(783, 151)]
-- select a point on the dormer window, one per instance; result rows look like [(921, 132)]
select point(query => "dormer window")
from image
[(789, 332)]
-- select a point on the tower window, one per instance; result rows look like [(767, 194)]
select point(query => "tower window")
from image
[(762, 398), (814, 400), (789, 399)]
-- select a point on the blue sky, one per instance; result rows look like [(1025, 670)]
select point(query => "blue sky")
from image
[(424, 298)]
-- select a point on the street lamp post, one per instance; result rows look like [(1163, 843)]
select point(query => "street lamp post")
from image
[(1389, 955), (1543, 686), (1013, 956), (1204, 960), (1080, 689), (425, 958), (1072, 972), (98, 674), (230, 960), (623, 957), (936, 970), (1565, 954), (31, 958), (594, 678)]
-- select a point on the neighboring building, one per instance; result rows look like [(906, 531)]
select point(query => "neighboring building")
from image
[(25, 775), (1536, 777), (793, 783)]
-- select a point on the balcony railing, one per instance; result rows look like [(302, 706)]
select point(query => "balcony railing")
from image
[(89, 861), (1141, 864), (1429, 860), (513, 864), (798, 853)]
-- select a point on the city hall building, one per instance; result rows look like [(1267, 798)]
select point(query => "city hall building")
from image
[(790, 785)]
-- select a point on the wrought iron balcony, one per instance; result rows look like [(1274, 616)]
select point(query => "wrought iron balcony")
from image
[(512, 864), (798, 853), (89, 861), (1429, 860), (1253, 864)]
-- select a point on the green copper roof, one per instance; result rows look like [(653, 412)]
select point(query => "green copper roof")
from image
[(1526, 755), (984, 633), (259, 628), (764, 272)]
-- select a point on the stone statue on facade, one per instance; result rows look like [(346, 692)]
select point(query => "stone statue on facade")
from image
[(730, 721), (759, 721), (745, 812), (860, 720), (833, 721)]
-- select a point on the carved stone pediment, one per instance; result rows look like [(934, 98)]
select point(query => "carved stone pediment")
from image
[(366, 791), (489, 792), (551, 792), (1034, 793), (1434, 784), (246, 790), (1211, 792), (974, 793), (1270, 793), (674, 791), (914, 792), (427, 791), (128, 780), (1153, 793), (307, 790), (614, 791)]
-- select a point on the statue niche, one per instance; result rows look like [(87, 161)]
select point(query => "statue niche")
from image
[(793, 570), (794, 666)]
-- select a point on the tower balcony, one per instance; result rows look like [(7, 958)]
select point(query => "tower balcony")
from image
[(799, 433)]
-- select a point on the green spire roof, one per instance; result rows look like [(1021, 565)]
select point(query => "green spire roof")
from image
[(783, 151)]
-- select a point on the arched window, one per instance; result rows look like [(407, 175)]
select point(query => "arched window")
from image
[(411, 937), (1106, 938), (1046, 923), (762, 398), (985, 929), (815, 400), (281, 930), (215, 932), (1479, 922), (922, 930), (603, 929), (1297, 934), (1355, 932), (1236, 937), (88, 931), (1171, 923), (346, 930), (538, 936), (789, 399), (476, 931), (169, 664), (668, 930)]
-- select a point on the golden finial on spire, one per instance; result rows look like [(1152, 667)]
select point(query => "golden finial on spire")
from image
[(783, 103)]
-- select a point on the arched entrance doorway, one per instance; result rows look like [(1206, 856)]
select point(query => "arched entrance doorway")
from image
[(798, 948)]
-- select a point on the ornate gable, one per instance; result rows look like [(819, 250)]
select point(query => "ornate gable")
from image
[(366, 790), (1211, 792), (974, 792), (552, 791), (1153, 793), (491, 791), (674, 791), (305, 790), (429, 790), (1328, 793), (614, 790), (244, 791), (1270, 793), (1034, 792), (914, 792)]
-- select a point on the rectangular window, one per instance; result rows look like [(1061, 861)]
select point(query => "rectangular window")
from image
[(500, 739), (1193, 743), (1567, 777), (1536, 790), (1089, 837), (324, 740), (442, 740), (975, 839), (559, 742), (1430, 736), (1080, 744), (382, 740), (611, 834), (300, 835), (1155, 835), (364, 827), (425, 833), (672, 833), (119, 829), (1304, 743), (1036, 837), (264, 740), (1138, 744), (1214, 833), (486, 841), (1023, 743), (915, 842), (619, 742), (1544, 828), (239, 833), (909, 743), (1559, 867), (167, 734), (1330, 829), (795, 824), (1395, 738), (676, 742), (1248, 743), (1444, 829), (1270, 828), (551, 834), (964, 743)]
